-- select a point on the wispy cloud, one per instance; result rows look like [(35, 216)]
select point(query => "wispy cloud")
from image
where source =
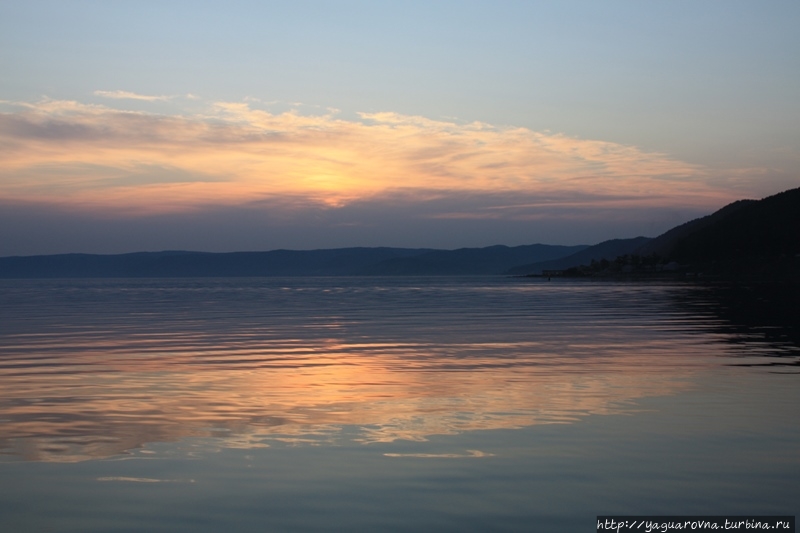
[(144, 480), (233, 153), (469, 454), (127, 95)]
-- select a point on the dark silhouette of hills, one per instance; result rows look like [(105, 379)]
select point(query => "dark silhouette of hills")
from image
[(340, 261), (755, 240), (763, 229), (605, 250), (331, 262), (665, 243), (467, 261)]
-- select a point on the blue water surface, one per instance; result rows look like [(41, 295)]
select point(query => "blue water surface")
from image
[(388, 404)]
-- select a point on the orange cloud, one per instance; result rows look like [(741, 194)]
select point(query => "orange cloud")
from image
[(97, 157)]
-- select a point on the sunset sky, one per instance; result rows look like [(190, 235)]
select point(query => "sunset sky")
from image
[(132, 126)]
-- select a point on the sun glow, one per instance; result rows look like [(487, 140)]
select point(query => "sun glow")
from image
[(95, 157)]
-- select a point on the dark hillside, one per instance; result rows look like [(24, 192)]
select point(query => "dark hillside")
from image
[(769, 228), (331, 262), (665, 243), (340, 261), (604, 250), (471, 261), (748, 240)]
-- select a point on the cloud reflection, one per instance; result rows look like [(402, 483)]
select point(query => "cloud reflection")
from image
[(69, 398), (98, 368)]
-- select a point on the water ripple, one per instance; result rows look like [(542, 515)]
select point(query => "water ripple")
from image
[(93, 368)]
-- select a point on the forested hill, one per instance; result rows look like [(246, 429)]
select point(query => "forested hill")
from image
[(605, 250), (757, 240), (768, 228)]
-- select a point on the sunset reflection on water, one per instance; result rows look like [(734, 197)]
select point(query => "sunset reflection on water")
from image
[(114, 366)]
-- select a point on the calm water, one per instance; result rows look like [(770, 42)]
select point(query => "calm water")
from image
[(390, 404)]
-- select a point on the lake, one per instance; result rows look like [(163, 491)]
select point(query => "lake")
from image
[(391, 404)]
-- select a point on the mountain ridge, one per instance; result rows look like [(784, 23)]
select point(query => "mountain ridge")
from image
[(758, 237), (756, 240), (605, 250), (323, 262)]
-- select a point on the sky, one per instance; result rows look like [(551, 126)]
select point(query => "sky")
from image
[(223, 126)]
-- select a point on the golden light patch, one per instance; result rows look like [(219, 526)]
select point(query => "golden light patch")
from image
[(91, 156)]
